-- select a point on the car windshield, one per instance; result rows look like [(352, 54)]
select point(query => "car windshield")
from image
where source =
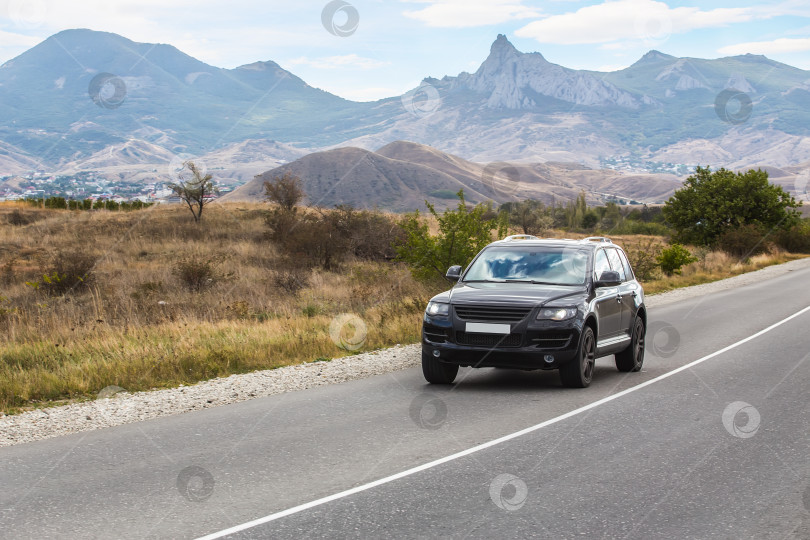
[(553, 265)]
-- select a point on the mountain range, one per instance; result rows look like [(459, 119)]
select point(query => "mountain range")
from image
[(87, 100)]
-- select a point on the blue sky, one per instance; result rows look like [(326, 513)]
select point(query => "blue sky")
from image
[(395, 44)]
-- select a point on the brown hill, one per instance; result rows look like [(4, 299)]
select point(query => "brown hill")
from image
[(402, 175)]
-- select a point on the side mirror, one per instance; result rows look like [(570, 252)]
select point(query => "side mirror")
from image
[(609, 278), (453, 273)]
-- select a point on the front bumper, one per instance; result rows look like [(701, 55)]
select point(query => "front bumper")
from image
[(531, 344)]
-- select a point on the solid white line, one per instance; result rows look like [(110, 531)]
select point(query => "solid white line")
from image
[(484, 446)]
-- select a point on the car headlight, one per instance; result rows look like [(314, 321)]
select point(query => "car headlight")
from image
[(438, 309), (557, 314)]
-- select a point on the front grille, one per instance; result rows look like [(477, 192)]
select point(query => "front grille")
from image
[(488, 340), (491, 313), (548, 340)]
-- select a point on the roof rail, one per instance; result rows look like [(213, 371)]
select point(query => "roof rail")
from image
[(603, 239), (520, 237)]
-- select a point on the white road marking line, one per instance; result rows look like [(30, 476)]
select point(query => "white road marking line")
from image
[(494, 442)]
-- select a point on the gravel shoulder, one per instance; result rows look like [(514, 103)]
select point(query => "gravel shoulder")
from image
[(115, 407)]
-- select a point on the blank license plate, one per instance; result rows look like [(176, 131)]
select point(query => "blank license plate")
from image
[(484, 328)]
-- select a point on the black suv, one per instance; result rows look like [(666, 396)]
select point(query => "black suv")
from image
[(526, 303)]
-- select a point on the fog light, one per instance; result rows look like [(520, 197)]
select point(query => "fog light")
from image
[(436, 354), (549, 359)]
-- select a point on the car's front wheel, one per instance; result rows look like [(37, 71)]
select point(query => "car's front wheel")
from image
[(437, 372), (632, 358), (578, 372)]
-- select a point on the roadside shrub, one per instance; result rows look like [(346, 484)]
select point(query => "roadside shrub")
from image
[(644, 259), (291, 280), (673, 258), (280, 223), (18, 218), (196, 273), (743, 242), (371, 235), (69, 271), (796, 239)]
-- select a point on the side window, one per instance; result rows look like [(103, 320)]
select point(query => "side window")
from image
[(600, 263), (627, 270), (616, 263)]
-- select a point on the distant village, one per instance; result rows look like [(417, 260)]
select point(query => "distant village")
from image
[(87, 185)]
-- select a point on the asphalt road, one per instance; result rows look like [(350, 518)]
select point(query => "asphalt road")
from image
[(716, 450)]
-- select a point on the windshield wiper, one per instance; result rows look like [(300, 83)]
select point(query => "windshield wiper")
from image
[(484, 281), (533, 282)]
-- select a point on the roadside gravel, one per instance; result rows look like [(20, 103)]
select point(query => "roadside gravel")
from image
[(115, 406)]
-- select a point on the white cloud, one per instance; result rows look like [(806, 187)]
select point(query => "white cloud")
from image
[(10, 39), (334, 62), (470, 13), (781, 45), (645, 20)]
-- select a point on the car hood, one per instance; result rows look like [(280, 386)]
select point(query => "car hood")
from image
[(522, 294)]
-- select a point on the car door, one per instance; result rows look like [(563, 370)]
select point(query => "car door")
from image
[(626, 291), (608, 307)]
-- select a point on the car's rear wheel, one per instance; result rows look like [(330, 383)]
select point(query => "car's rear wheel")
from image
[(578, 372), (632, 358), (437, 372)]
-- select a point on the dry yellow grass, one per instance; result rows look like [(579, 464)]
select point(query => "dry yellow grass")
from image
[(138, 326)]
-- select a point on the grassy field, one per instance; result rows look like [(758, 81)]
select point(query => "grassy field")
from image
[(171, 302)]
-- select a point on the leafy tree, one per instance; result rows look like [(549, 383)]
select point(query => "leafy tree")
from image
[(711, 203), (463, 232), (196, 192), (529, 216), (286, 191)]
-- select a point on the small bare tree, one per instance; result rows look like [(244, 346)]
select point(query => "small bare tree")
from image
[(285, 190), (197, 192)]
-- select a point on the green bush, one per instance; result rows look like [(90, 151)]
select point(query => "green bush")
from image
[(796, 239), (743, 242), (711, 203), (673, 258), (463, 232)]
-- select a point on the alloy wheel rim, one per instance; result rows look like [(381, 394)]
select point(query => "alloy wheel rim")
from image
[(639, 344), (588, 357)]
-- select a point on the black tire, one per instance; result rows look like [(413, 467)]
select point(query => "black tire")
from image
[(437, 372), (578, 372), (632, 358)]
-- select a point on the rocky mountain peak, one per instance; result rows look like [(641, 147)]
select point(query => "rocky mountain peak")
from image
[(515, 80), (653, 57)]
